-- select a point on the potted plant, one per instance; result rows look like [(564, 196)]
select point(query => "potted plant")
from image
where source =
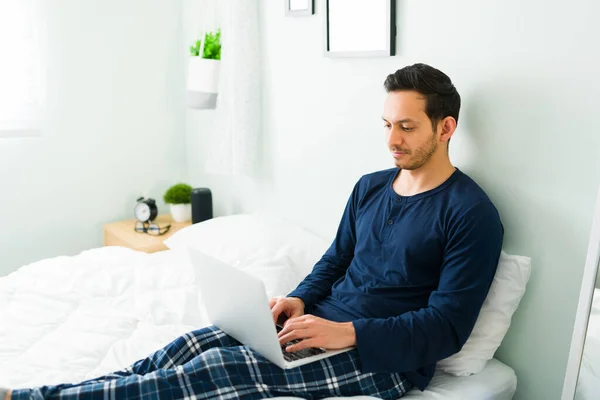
[(203, 71), (179, 198)]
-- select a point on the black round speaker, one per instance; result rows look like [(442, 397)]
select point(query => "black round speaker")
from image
[(201, 205)]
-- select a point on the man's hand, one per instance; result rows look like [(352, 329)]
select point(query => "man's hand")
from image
[(292, 307), (317, 332)]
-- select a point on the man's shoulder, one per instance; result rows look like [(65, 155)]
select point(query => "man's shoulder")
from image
[(373, 184), (466, 194)]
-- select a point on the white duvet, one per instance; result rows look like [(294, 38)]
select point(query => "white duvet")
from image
[(68, 319)]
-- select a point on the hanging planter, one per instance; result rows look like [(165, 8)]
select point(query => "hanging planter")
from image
[(203, 72)]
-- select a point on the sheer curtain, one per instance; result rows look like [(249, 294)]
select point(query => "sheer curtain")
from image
[(20, 68), (234, 142)]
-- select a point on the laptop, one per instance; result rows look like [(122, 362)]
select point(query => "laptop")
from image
[(236, 302)]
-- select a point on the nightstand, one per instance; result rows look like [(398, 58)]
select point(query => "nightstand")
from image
[(122, 233)]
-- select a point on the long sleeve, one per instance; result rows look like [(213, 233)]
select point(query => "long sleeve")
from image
[(420, 338), (336, 260)]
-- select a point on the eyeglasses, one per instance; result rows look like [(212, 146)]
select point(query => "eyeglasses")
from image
[(151, 228)]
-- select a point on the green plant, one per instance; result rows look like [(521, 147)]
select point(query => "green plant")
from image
[(195, 49), (212, 46), (180, 193)]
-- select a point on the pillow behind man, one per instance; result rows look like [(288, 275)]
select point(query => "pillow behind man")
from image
[(494, 318)]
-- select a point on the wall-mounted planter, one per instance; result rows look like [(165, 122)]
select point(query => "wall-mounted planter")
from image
[(203, 83)]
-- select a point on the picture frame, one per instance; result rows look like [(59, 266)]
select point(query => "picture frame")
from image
[(299, 8), (374, 37)]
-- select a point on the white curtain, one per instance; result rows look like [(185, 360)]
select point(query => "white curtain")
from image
[(235, 137), (20, 69)]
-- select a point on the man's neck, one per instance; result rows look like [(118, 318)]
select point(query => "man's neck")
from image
[(427, 177)]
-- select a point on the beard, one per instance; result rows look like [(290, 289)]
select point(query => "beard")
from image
[(418, 157)]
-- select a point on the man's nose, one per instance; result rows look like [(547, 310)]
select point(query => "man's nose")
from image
[(396, 136)]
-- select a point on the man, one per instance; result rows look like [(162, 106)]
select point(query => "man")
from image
[(404, 280)]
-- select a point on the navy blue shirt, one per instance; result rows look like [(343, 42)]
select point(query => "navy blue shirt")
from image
[(410, 272)]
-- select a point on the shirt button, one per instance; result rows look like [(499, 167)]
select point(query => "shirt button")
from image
[(390, 222), (398, 200)]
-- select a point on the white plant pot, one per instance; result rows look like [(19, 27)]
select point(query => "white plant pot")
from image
[(203, 83), (181, 212)]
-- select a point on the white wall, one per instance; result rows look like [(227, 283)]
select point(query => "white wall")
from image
[(527, 133), (115, 127)]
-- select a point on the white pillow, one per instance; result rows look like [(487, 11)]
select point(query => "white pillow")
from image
[(279, 252), (494, 318)]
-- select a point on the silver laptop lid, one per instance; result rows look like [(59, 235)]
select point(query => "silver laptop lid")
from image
[(237, 303)]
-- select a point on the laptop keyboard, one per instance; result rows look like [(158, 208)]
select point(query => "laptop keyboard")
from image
[(298, 355)]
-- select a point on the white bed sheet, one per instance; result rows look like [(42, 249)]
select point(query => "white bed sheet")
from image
[(67, 319)]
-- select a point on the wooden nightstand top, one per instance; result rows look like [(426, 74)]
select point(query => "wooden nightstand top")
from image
[(122, 233)]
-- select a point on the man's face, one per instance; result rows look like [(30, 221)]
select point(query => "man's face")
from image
[(409, 134)]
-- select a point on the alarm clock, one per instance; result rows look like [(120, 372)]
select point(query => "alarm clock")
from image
[(145, 210)]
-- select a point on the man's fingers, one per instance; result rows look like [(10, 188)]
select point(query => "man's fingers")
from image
[(292, 325), (296, 314), (276, 312), (303, 344), (293, 335), (298, 317), (275, 317), (278, 307)]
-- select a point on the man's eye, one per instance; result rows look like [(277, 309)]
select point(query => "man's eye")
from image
[(387, 126), (407, 129)]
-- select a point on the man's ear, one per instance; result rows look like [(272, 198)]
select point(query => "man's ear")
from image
[(447, 126)]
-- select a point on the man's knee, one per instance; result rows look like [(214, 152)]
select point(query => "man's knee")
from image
[(222, 356), (216, 355)]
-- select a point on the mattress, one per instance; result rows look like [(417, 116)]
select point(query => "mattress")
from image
[(67, 319), (496, 382)]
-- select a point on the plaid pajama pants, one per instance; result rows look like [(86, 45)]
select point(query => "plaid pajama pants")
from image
[(209, 364)]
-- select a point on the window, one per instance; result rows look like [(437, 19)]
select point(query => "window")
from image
[(20, 69)]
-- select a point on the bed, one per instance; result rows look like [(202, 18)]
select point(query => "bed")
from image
[(67, 319)]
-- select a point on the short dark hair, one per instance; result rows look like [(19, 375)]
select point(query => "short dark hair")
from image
[(441, 97)]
